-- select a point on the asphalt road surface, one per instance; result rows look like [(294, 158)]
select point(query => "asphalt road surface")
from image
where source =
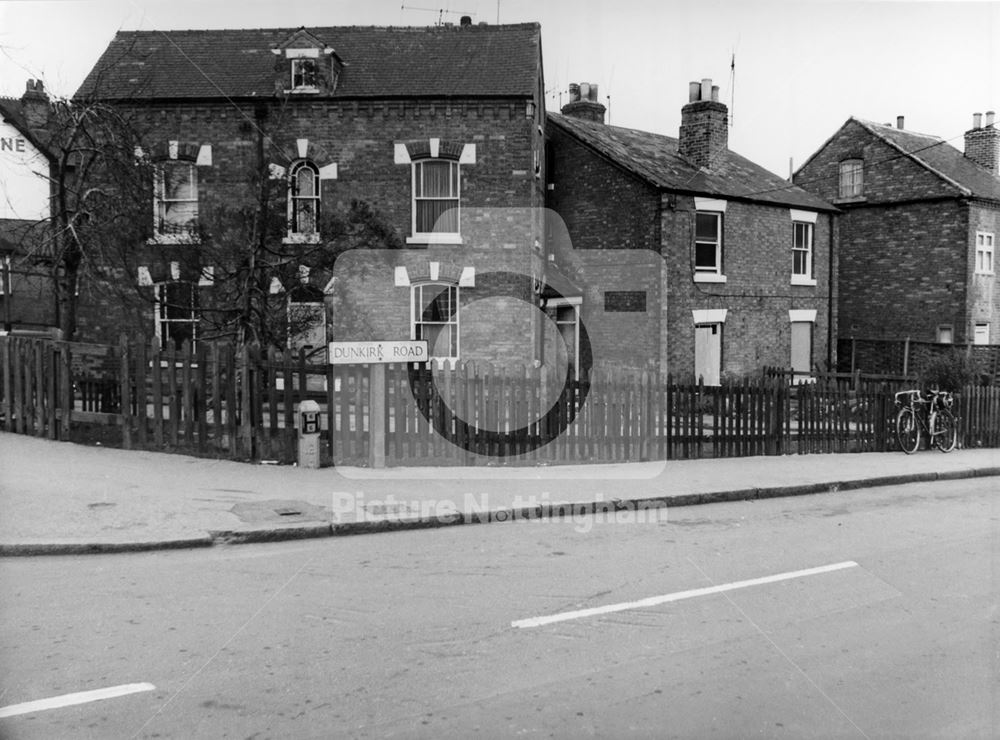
[(867, 614)]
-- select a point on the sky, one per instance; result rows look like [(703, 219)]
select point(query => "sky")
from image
[(791, 71)]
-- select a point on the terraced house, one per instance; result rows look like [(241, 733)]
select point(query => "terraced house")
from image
[(346, 182), (918, 234), (689, 257)]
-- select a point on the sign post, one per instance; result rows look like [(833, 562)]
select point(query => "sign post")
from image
[(378, 355)]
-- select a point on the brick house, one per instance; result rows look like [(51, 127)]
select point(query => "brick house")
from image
[(26, 300), (688, 257), (918, 230), (437, 131)]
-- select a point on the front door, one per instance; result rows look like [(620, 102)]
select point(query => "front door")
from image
[(708, 353)]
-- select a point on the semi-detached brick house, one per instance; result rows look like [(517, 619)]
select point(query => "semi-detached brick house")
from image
[(918, 230), (439, 130), (689, 257)]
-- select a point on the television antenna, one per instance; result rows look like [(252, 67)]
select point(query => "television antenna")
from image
[(440, 11)]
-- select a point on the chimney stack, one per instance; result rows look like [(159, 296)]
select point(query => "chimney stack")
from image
[(35, 105), (583, 103), (982, 143), (704, 132)]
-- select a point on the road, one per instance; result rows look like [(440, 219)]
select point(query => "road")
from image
[(433, 633)]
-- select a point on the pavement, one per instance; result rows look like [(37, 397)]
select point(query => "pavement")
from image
[(62, 498)]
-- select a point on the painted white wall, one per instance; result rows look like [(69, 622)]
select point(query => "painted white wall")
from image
[(24, 187)]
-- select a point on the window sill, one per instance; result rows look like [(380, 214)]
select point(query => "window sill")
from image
[(709, 277), (980, 273), (804, 281), (304, 90), (301, 239), (434, 239), (850, 199), (167, 239)]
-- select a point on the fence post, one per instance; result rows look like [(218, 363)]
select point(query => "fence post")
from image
[(125, 395), (906, 356)]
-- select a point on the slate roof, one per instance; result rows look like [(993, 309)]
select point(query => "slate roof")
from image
[(654, 158), (379, 62), (937, 155)]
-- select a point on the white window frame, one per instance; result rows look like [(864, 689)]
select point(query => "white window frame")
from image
[(295, 234), (299, 62), (804, 221), (852, 178), (453, 321), (710, 274), (436, 237), (188, 235), (575, 303), (161, 323), (946, 334), (985, 253)]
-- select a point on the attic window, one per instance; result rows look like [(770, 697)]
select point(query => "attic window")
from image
[(305, 75)]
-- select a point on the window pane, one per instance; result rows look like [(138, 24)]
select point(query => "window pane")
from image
[(436, 180), (178, 218), (707, 226), (704, 256), (178, 181), (439, 216), (305, 182)]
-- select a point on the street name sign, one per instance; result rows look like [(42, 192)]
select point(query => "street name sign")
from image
[(379, 353)]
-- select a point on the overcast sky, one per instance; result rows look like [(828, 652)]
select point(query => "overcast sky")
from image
[(802, 67)]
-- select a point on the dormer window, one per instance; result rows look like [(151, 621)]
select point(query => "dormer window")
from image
[(305, 76), (306, 64)]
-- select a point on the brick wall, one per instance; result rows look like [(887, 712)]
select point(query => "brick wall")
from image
[(757, 258), (360, 138), (906, 246), (984, 294), (607, 209)]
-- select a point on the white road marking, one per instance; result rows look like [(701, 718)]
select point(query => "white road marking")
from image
[(679, 595), (68, 700)]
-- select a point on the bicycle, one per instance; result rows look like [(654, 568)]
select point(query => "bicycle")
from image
[(938, 422)]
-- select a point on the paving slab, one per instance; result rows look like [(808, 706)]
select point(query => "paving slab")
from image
[(57, 497)]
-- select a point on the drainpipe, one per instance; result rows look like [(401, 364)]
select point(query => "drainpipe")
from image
[(829, 298)]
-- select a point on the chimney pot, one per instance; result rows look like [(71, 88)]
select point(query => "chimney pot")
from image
[(899, 122), (694, 90), (574, 92), (706, 88), (989, 118), (715, 93), (593, 92), (466, 20), (584, 91), (977, 120)]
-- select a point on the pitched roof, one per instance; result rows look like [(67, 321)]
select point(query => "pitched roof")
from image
[(940, 157), (444, 61), (654, 158)]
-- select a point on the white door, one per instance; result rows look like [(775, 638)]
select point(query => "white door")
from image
[(708, 353), (802, 347)]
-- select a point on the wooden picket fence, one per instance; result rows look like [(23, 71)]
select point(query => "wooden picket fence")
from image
[(241, 403)]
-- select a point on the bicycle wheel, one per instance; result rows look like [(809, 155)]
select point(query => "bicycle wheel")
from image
[(907, 431), (945, 431)]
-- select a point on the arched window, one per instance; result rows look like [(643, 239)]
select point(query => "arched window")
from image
[(303, 199)]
